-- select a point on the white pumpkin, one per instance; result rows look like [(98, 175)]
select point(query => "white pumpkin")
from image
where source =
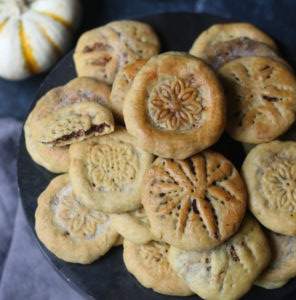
[(34, 34)]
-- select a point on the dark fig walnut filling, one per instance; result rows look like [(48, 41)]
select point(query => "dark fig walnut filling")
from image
[(94, 128)]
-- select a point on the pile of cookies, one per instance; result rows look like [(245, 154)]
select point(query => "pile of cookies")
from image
[(178, 207)]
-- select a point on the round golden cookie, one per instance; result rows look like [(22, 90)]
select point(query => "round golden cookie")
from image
[(283, 261), (223, 52), (175, 106), (119, 241), (72, 113), (261, 98), (107, 171), (149, 264), (194, 204), (228, 271), (269, 171), (121, 86), (225, 32), (69, 229), (54, 159), (133, 226), (103, 51)]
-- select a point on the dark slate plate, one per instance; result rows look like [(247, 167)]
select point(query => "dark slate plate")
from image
[(108, 278)]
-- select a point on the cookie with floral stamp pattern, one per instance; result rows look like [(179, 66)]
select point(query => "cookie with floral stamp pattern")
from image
[(54, 159), (103, 51), (133, 226), (175, 106), (149, 264), (228, 271), (269, 171), (107, 171), (67, 228), (219, 33), (283, 261), (121, 86), (261, 98), (194, 204)]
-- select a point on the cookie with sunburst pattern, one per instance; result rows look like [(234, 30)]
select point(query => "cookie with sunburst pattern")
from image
[(67, 228), (269, 171), (228, 271), (107, 171), (175, 106), (196, 203), (149, 264), (261, 98)]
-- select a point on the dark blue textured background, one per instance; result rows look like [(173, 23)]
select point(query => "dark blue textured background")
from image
[(274, 16)]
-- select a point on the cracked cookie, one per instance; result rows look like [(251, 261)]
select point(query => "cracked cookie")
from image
[(67, 228), (220, 33), (103, 51), (283, 261), (194, 204), (228, 271), (121, 86), (72, 113), (133, 226), (175, 106), (149, 264), (261, 98), (269, 171), (107, 171)]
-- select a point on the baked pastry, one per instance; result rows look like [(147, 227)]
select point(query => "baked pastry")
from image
[(119, 241), (121, 86), (219, 33), (223, 52), (269, 171), (67, 228), (228, 271), (149, 264), (54, 159), (175, 106), (194, 204), (133, 226), (103, 51), (72, 113), (261, 98), (107, 171), (283, 261)]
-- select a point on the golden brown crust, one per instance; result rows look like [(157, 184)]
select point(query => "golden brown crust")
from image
[(121, 86), (67, 228), (261, 98), (149, 264), (175, 97), (194, 204), (224, 32), (228, 271), (269, 171), (103, 51)]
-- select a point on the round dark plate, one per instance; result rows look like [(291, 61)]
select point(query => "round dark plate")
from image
[(108, 278)]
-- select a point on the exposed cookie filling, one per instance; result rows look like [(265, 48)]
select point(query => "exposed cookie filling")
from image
[(94, 128)]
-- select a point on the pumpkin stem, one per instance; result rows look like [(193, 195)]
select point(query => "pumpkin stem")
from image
[(22, 5)]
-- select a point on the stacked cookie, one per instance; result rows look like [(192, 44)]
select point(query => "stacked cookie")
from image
[(178, 206)]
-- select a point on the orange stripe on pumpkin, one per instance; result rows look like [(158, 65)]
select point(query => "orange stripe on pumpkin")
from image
[(49, 39), (30, 61), (3, 24), (58, 18)]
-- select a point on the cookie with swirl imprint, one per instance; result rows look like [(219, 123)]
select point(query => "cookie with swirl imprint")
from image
[(175, 106), (269, 171), (121, 86), (194, 204), (107, 171), (282, 266), (217, 34), (103, 51), (228, 271), (261, 98), (68, 229), (149, 264)]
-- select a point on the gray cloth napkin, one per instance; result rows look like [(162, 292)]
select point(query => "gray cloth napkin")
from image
[(24, 271)]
